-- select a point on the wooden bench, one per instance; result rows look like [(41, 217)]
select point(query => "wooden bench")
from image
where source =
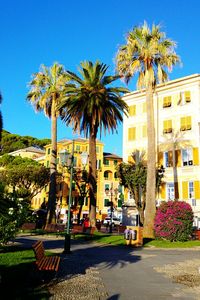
[(79, 229), (55, 228), (28, 226), (43, 262)]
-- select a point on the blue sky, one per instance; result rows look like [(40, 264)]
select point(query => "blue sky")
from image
[(36, 32)]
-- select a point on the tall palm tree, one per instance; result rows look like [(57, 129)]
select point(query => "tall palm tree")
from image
[(150, 54), (1, 121), (91, 105), (47, 89)]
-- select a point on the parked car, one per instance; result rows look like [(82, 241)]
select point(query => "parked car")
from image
[(115, 221)]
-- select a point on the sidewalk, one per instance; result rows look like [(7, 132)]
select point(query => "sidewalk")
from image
[(96, 271)]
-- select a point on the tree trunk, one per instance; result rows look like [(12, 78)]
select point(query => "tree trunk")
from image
[(51, 217), (150, 208), (92, 178), (175, 174)]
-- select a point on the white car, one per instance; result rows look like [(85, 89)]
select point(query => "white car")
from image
[(115, 221)]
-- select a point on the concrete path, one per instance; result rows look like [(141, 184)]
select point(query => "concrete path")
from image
[(126, 273)]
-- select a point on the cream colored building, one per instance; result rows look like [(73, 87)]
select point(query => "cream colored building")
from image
[(177, 125)]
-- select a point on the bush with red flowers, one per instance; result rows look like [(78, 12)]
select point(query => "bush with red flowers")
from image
[(174, 221)]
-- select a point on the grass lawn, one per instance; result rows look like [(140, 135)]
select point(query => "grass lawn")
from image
[(118, 240), (18, 277)]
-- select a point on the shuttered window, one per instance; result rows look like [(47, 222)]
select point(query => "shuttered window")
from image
[(167, 126), (185, 189), (186, 123), (132, 110), (187, 96), (144, 107), (167, 101), (144, 131), (131, 133)]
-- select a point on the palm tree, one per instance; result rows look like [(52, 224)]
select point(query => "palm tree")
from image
[(1, 121), (91, 105), (150, 54), (47, 91)]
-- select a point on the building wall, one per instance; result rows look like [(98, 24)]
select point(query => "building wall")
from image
[(82, 145), (177, 119)]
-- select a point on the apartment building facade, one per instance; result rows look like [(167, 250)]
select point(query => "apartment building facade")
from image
[(177, 126), (108, 187)]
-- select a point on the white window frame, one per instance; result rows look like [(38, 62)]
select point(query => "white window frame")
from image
[(187, 157), (170, 191), (191, 189)]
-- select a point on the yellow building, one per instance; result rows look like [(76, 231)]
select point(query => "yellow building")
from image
[(177, 125), (108, 188)]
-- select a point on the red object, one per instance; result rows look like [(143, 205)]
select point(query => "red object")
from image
[(86, 223)]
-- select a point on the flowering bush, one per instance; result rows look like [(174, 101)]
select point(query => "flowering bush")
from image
[(174, 221)]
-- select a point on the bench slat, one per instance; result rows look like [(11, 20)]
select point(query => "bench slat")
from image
[(43, 262)]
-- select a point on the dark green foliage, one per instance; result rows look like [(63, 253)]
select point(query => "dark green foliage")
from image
[(25, 176), (11, 142)]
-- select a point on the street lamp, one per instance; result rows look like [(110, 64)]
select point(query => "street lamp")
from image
[(68, 160)]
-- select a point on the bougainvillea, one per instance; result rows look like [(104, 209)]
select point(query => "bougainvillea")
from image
[(174, 221)]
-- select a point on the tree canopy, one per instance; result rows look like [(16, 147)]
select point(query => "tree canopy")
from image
[(23, 175), (11, 142)]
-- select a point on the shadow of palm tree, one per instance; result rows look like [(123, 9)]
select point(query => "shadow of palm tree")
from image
[(85, 255)]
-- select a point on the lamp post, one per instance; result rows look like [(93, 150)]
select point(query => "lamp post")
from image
[(68, 160)]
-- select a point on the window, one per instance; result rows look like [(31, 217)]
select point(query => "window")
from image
[(75, 161), (187, 157), (97, 149), (98, 164), (106, 175), (186, 123), (48, 150), (47, 163), (132, 110), (78, 147), (115, 162), (167, 126), (106, 202), (106, 162), (168, 159), (194, 202), (187, 96), (170, 191), (144, 107), (191, 189), (144, 131), (120, 188), (107, 186), (115, 175), (131, 133), (167, 102)]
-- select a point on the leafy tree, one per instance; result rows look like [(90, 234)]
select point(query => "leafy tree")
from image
[(25, 176), (90, 106), (47, 89), (133, 175), (11, 142), (150, 54)]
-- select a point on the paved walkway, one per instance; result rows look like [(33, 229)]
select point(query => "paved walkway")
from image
[(120, 272)]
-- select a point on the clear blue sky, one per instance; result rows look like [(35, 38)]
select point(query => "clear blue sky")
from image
[(35, 32)]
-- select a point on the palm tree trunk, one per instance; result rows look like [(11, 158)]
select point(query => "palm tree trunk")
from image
[(92, 179), (150, 208), (51, 217)]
